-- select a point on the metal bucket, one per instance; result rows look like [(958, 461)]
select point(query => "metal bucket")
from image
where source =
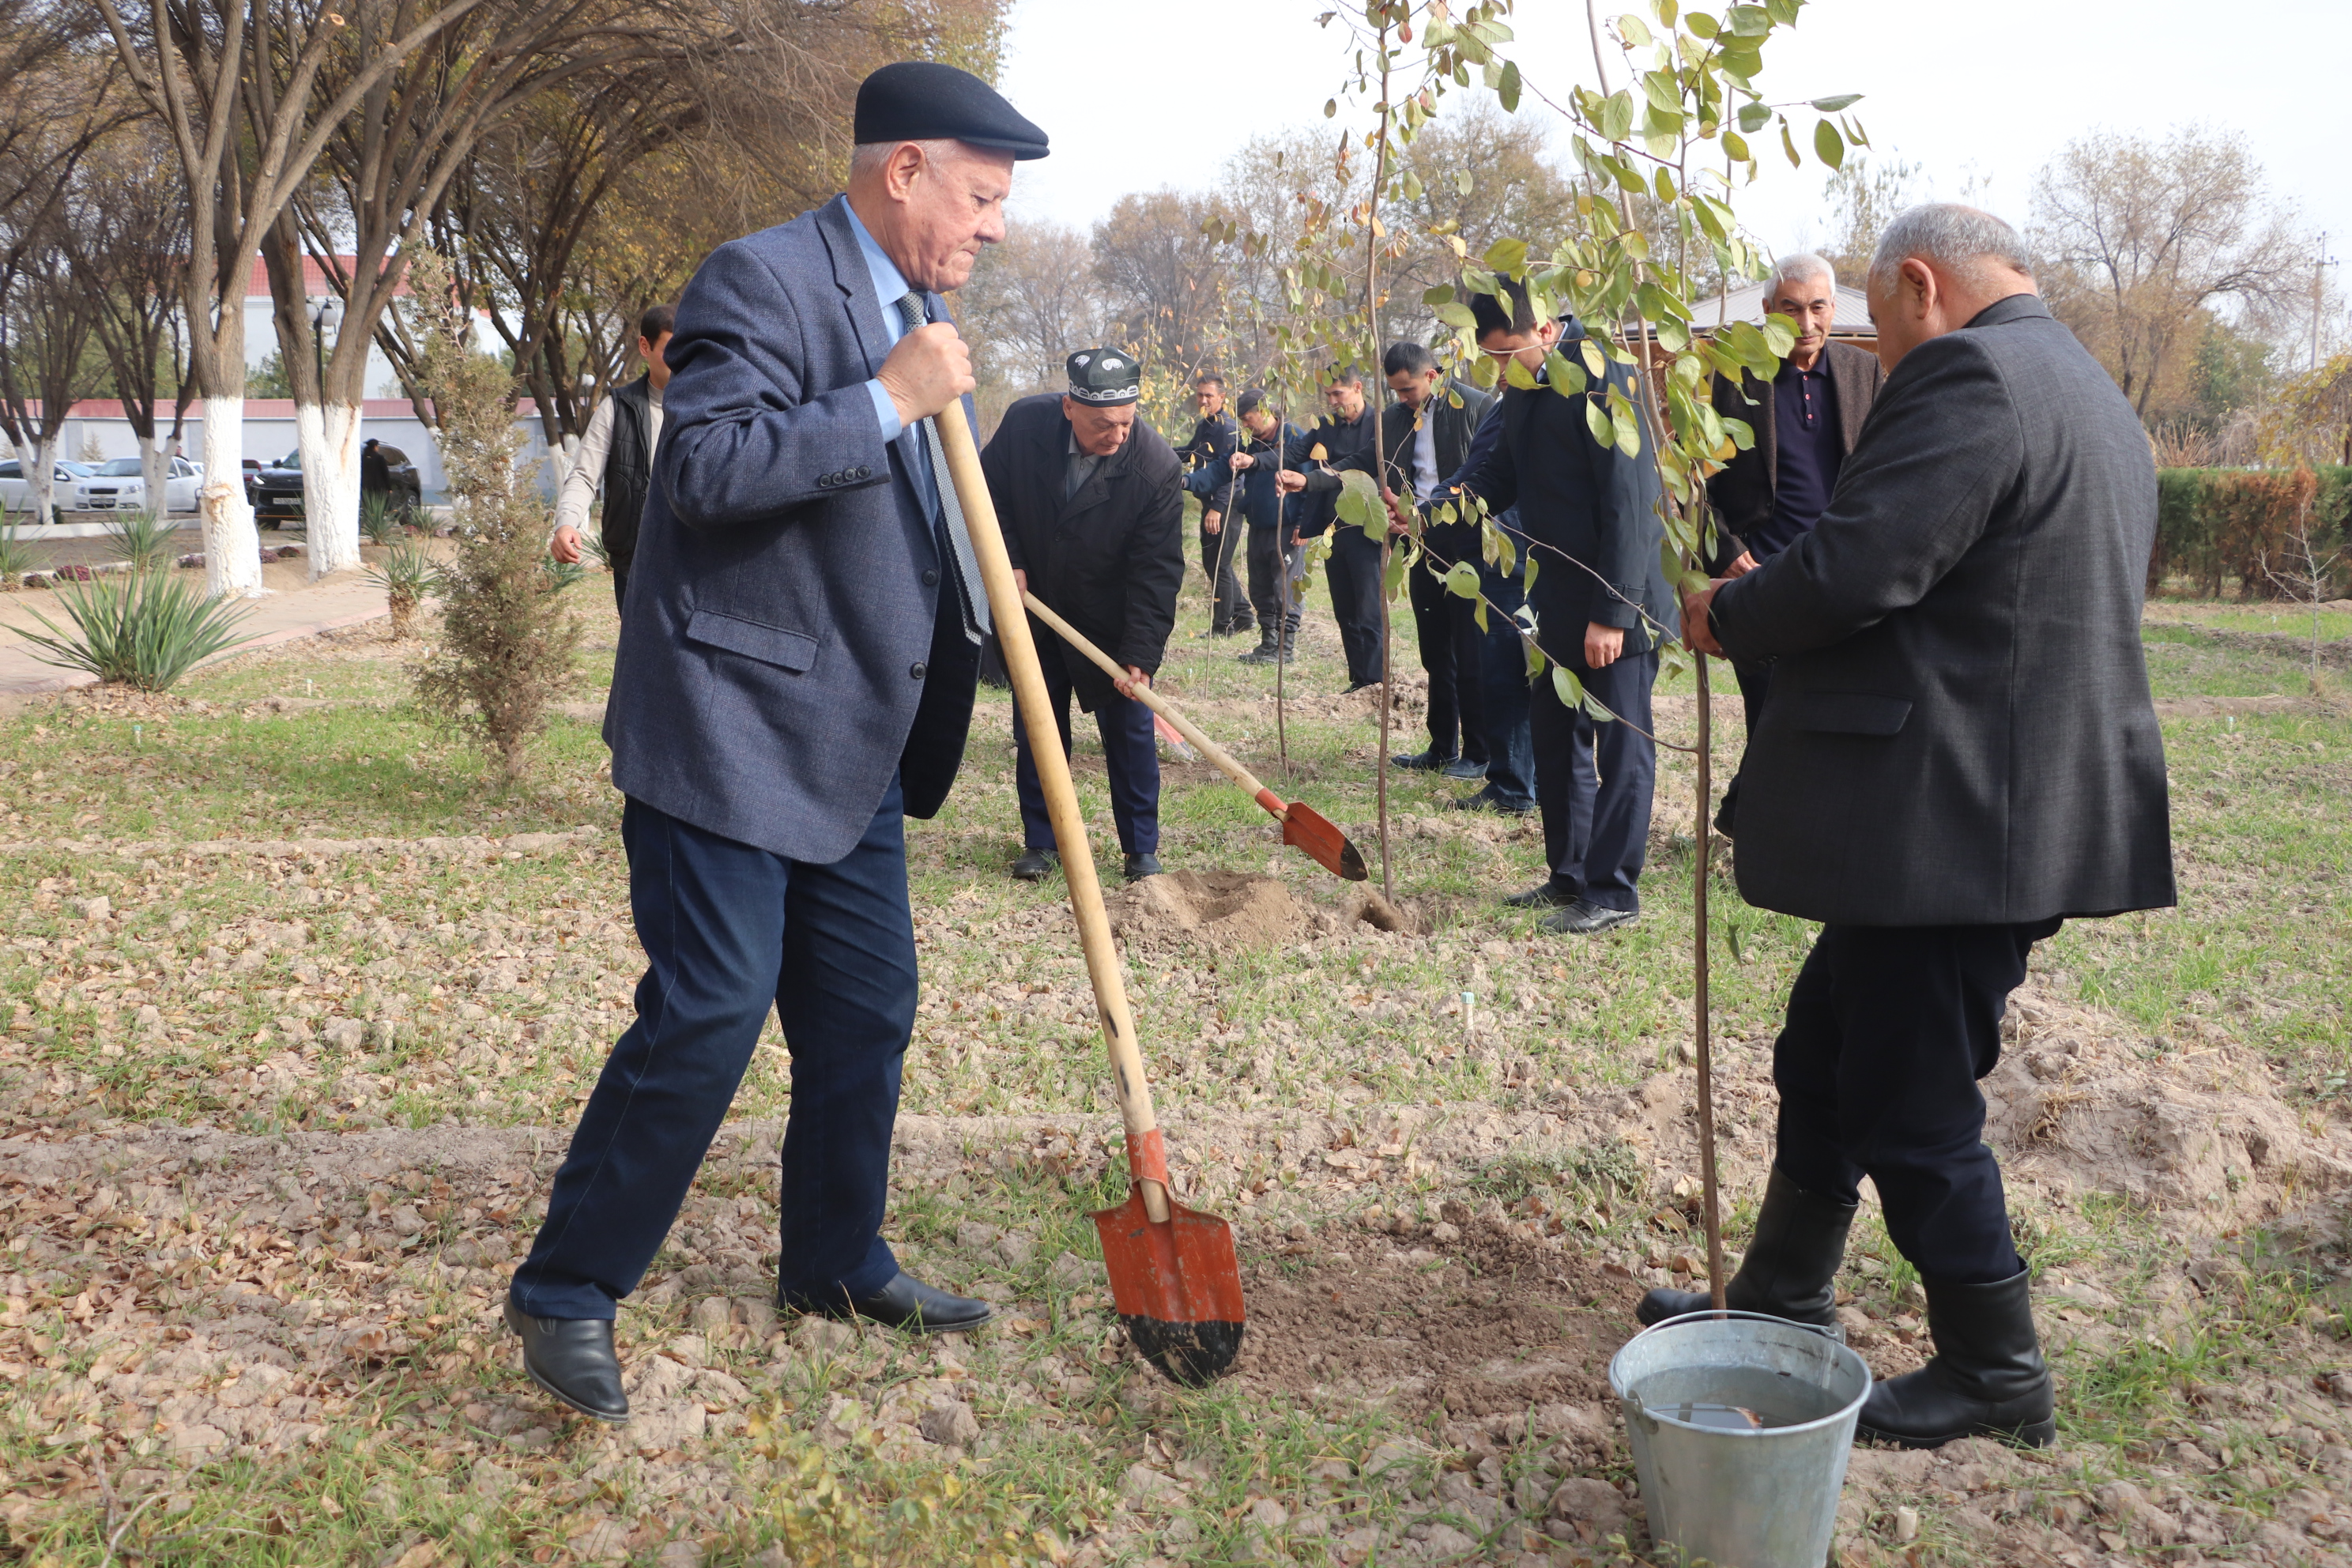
[(1741, 1426)]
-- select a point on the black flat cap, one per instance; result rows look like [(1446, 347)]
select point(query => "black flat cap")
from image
[(1105, 377), (922, 100)]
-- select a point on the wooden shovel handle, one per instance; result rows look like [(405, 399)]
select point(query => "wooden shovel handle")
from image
[(1146, 1156), (1159, 705)]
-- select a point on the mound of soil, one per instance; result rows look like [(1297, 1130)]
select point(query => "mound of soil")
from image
[(1491, 1324), (1227, 908)]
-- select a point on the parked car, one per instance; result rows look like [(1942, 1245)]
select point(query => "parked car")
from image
[(120, 484), (16, 495), (274, 488)]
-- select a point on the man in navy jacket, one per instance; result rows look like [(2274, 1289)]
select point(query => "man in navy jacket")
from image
[(795, 679)]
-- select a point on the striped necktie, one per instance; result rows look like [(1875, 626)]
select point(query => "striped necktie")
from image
[(956, 539)]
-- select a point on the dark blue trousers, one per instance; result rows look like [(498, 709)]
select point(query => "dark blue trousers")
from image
[(730, 930), (1889, 1028), (1130, 756), (1594, 777), (1353, 572), (1502, 692)]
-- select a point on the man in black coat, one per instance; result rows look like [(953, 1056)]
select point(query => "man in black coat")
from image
[(1959, 753), (1427, 437), (1274, 521), (1093, 504), (1806, 420), (1215, 439), (1343, 441), (1602, 607)]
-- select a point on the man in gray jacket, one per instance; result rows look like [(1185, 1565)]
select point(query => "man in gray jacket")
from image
[(794, 679), (1959, 753)]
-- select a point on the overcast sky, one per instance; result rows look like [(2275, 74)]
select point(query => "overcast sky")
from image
[(1138, 95)]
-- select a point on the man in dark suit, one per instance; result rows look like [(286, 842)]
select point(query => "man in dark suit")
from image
[(1274, 521), (1092, 502), (1427, 437), (1959, 753), (795, 679), (1341, 442), (1806, 420), (1601, 608), (1215, 439)]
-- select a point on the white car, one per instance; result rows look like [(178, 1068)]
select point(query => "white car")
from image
[(120, 484), (66, 478)]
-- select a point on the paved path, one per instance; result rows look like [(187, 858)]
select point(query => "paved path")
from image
[(293, 608)]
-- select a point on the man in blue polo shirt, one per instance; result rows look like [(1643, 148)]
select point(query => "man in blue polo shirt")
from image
[(1806, 421)]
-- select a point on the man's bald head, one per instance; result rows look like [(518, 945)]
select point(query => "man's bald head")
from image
[(1935, 267)]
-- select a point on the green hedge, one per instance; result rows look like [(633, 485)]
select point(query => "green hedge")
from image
[(2216, 526)]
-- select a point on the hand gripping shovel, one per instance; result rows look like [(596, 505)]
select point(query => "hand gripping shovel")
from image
[(1173, 1275), (1302, 825)]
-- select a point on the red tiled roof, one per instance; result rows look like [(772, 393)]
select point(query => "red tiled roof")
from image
[(314, 279)]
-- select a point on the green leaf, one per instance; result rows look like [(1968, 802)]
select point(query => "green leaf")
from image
[(1462, 579), (1663, 92), (1597, 420), (1437, 296), (1600, 714), (1330, 107), (1617, 116), (1628, 428), (1534, 656), (1779, 335), (1394, 577), (1635, 245), (1456, 315), (1528, 579), (1594, 365), (1633, 30), (1507, 256), (1829, 144), (1519, 375), (1789, 145), (1665, 11), (1701, 25), (1736, 146), (1508, 89), (1566, 687), (1749, 21), (1464, 182), (1567, 378), (1832, 105), (1478, 613), (1755, 117)]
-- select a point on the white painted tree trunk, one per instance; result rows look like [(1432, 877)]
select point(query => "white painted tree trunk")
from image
[(232, 544), (40, 468), (331, 491), (156, 470)]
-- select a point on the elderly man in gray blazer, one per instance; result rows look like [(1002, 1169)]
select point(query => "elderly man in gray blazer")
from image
[(1958, 754), (794, 681)]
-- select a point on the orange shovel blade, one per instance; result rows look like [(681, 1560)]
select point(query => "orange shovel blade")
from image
[(1316, 834), (1177, 1286)]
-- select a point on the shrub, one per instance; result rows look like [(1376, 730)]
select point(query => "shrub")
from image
[(379, 520), (407, 573), (138, 629), (16, 557), (141, 538), (2217, 525), (566, 572)]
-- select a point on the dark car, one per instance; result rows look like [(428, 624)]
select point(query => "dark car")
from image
[(275, 489)]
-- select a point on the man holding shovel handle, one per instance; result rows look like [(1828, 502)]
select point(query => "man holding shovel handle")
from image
[(795, 679)]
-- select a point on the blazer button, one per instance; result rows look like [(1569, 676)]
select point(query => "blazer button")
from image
[(930, 579), (917, 669), (864, 472)]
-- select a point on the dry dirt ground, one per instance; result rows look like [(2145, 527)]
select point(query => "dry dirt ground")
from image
[(285, 1074)]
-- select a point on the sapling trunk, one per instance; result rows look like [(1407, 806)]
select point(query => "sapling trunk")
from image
[(1708, 1197)]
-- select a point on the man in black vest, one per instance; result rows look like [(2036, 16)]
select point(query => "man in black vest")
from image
[(616, 453), (1806, 421)]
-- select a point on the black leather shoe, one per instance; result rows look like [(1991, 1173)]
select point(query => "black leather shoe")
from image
[(1790, 1270), (1487, 800), (572, 1359), (1355, 686), (1422, 761), (1547, 896), (1584, 919), (1138, 867), (1034, 864), (1988, 1378), (1463, 768), (904, 1303)]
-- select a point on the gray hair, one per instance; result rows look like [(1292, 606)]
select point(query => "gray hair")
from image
[(1960, 239), (1801, 268), (866, 158)]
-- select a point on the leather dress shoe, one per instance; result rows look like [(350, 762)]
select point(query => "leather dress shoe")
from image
[(1463, 768), (1035, 864), (1422, 761), (1584, 918), (1487, 800), (904, 1303), (572, 1359), (1356, 686), (1138, 867), (1544, 896)]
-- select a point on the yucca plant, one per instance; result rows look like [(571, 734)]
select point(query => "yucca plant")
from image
[(16, 557), (594, 545), (566, 572), (144, 629), (379, 519), (141, 538), (407, 573)]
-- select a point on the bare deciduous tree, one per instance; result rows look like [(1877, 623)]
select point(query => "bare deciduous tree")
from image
[(128, 236), (1032, 301)]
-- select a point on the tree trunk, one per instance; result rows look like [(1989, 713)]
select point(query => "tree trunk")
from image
[(40, 466), (232, 543), (155, 471), (332, 492)]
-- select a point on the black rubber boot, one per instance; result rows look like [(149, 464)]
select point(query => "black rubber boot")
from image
[(1988, 1378), (1791, 1267)]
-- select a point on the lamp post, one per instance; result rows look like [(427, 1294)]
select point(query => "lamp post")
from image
[(330, 313)]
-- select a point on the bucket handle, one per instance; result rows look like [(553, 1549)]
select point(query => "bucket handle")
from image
[(1833, 1332)]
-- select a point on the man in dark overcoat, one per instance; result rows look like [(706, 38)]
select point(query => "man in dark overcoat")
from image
[(1428, 437), (1275, 519), (1207, 458), (794, 679), (1352, 570), (1602, 607), (1806, 420), (1092, 502), (1959, 753)]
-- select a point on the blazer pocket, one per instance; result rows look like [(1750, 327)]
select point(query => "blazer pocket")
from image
[(795, 651), (1849, 712)]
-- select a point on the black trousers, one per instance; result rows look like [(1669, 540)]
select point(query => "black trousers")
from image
[(1594, 778), (1447, 625), (1754, 679), (1354, 574), (1220, 560), (1889, 1028), (1130, 758), (1273, 578)]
